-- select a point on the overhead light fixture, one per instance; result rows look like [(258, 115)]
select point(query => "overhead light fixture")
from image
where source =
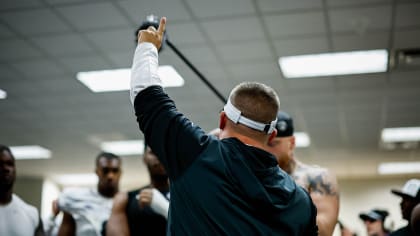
[(390, 168), (3, 94), (87, 179), (405, 134), (302, 139), (119, 79), (124, 148), (339, 63), (30, 152)]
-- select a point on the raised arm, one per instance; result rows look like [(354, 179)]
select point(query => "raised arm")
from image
[(118, 223), (145, 64), (323, 188), (175, 139)]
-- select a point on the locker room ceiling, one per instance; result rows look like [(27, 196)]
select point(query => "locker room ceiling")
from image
[(44, 43)]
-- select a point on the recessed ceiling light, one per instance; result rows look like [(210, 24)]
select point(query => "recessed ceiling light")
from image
[(399, 168), (87, 179), (339, 63), (3, 94), (406, 134), (119, 80), (125, 147), (30, 152), (302, 139)]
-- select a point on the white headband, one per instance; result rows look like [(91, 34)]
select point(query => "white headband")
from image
[(235, 115)]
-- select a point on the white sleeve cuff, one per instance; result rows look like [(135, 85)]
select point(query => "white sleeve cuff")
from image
[(144, 71), (159, 203)]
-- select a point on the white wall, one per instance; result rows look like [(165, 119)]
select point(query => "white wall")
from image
[(361, 195)]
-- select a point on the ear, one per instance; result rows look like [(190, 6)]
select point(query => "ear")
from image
[(272, 136), (222, 120), (292, 142)]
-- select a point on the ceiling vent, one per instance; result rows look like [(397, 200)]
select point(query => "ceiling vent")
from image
[(407, 58)]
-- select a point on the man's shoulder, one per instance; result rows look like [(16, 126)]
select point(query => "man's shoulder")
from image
[(316, 178), (32, 211)]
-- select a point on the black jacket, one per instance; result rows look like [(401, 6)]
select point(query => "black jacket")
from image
[(220, 187)]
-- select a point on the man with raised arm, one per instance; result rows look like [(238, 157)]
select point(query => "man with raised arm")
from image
[(231, 186)]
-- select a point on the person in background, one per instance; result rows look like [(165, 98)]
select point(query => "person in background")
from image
[(143, 211), (231, 186), (86, 210), (16, 216), (374, 221), (319, 182), (410, 195)]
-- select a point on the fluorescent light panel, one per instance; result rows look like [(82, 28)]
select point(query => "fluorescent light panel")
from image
[(302, 139), (87, 179), (390, 168), (406, 134), (119, 80), (30, 152), (3, 94), (123, 148), (340, 63)]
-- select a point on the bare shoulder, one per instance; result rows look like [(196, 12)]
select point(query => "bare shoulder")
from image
[(120, 200), (317, 179)]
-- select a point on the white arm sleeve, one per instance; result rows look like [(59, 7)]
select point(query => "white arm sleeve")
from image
[(159, 203), (144, 72)]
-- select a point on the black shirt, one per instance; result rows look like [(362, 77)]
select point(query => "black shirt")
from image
[(144, 221)]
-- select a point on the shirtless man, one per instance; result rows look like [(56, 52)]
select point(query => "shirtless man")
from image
[(319, 182)]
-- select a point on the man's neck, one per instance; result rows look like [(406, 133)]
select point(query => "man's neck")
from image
[(5, 197), (243, 138), (160, 185)]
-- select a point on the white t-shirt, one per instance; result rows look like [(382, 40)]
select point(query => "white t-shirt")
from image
[(88, 208), (18, 218)]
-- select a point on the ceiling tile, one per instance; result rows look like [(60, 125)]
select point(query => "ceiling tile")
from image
[(174, 10), (85, 63), (34, 22), (404, 79), (218, 8), (106, 16), (185, 34), (17, 49), (6, 74), (244, 51), (38, 68), (287, 5), (8, 5), (5, 33), (407, 15), (404, 39), (235, 29), (361, 82), (65, 44), (122, 59), (346, 3), (299, 46), (361, 20), (113, 40), (284, 25), (254, 70), (364, 41)]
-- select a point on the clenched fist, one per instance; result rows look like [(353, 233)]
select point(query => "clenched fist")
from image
[(151, 35)]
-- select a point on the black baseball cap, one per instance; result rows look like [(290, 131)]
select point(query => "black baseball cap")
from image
[(374, 215), (284, 124)]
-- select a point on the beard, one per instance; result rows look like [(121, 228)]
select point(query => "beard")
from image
[(5, 187)]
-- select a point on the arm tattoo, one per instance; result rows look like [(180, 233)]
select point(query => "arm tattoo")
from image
[(320, 184)]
